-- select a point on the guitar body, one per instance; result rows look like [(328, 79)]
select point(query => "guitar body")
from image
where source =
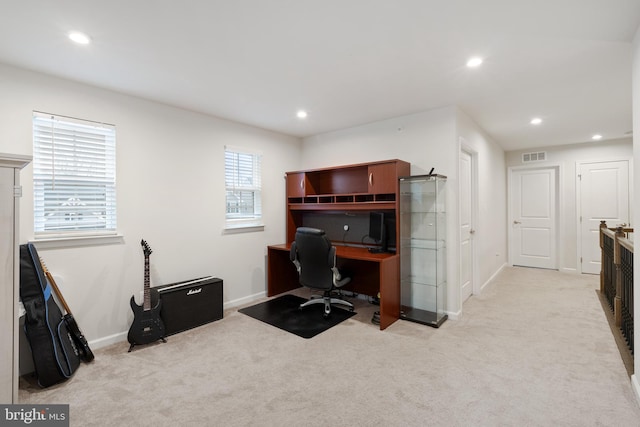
[(147, 326)]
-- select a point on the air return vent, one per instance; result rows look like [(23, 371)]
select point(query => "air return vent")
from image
[(534, 157)]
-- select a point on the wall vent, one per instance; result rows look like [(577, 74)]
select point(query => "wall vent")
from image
[(534, 157)]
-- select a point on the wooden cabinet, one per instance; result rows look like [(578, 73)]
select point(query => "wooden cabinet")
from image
[(10, 191), (296, 184), (383, 178), (358, 187), (366, 186)]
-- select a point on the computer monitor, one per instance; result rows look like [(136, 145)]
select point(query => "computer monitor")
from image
[(378, 231)]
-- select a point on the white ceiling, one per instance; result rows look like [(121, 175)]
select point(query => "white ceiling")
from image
[(348, 62)]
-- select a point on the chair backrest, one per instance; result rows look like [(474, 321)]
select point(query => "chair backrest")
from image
[(315, 256)]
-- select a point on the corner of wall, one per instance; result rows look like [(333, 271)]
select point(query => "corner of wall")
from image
[(635, 385), (635, 92)]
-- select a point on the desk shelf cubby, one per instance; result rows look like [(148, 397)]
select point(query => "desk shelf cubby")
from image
[(357, 187)]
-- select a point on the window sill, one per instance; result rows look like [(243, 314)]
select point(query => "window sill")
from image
[(242, 229), (76, 241)]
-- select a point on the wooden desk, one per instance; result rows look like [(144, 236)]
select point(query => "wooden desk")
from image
[(370, 273)]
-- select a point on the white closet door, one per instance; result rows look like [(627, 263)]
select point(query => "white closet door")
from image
[(533, 207), (604, 196)]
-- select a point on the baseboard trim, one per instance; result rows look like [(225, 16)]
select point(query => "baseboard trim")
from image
[(107, 341), (122, 336), (458, 314), (493, 276), (244, 300), (635, 385), (454, 316)]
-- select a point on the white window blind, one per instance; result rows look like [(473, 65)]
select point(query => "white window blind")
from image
[(74, 176), (243, 183)]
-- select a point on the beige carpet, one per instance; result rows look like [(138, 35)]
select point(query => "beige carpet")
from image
[(533, 350)]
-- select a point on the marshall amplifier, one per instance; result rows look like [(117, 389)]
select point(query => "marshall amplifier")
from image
[(192, 303)]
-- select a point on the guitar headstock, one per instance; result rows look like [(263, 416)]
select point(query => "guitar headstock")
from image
[(145, 247)]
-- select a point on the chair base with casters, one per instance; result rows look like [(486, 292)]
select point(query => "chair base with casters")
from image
[(315, 260), (327, 300)]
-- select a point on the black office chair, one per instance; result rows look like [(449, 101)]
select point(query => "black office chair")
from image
[(315, 259)]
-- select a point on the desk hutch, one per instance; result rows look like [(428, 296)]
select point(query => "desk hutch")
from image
[(350, 191)]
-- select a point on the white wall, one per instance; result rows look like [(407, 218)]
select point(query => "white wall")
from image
[(635, 379), (490, 238), (171, 192), (567, 156), (424, 139), (427, 140), (170, 189)]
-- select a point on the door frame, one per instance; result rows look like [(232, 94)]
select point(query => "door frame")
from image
[(559, 211), (475, 213), (578, 187)]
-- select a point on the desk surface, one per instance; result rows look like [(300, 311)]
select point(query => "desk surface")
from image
[(350, 252)]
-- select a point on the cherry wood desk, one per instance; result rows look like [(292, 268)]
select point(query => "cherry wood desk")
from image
[(370, 273)]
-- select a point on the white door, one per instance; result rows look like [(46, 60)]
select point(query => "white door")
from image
[(533, 216), (466, 225), (604, 196)]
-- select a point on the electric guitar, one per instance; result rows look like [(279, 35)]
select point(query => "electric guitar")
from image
[(85, 353), (147, 325)]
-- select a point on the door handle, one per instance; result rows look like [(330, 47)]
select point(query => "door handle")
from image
[(472, 231), (517, 222)]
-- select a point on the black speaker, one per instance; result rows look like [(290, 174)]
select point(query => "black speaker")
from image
[(191, 303)]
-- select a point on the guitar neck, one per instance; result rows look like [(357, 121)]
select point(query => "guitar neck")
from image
[(147, 285), (54, 285)]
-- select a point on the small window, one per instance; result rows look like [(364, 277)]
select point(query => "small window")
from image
[(243, 183), (74, 177)]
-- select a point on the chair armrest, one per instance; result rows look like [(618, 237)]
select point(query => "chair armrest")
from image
[(293, 256)]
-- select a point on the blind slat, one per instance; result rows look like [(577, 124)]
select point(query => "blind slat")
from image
[(243, 183), (74, 175)]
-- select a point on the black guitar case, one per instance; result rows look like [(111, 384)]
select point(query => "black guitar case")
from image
[(55, 356)]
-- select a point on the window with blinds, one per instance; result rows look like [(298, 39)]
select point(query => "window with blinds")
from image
[(243, 184), (74, 176)]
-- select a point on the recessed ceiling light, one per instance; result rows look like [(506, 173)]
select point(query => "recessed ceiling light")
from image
[(301, 114), (79, 38), (536, 121), (474, 62), (596, 137)]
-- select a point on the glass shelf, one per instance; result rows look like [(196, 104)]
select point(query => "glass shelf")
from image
[(423, 281)]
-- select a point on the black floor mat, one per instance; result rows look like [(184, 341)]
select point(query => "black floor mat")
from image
[(283, 312)]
